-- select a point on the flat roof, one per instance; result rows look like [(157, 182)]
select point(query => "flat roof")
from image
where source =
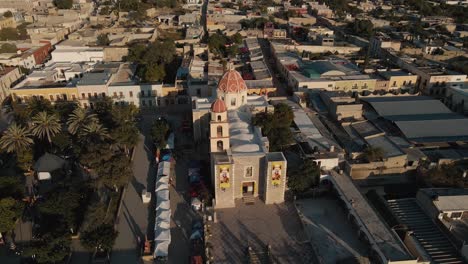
[(406, 105), (390, 149), (442, 130), (95, 78)]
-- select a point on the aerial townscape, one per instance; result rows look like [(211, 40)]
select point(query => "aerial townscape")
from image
[(233, 131)]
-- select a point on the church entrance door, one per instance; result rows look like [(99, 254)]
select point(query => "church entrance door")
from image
[(248, 188)]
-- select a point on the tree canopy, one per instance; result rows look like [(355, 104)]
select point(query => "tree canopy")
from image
[(101, 238), (103, 40), (303, 178), (8, 34), (159, 133), (276, 126), (63, 4), (8, 48)]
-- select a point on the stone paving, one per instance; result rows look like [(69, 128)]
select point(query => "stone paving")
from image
[(257, 226), (330, 231)]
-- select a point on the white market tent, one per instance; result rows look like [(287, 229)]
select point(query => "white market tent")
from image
[(163, 214), (161, 249), (162, 205), (162, 195), (162, 230), (162, 234), (164, 168)]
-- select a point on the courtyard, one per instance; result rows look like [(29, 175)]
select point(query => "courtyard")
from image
[(259, 225), (330, 232)]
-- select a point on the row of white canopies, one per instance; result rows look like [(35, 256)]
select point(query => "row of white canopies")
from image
[(162, 230)]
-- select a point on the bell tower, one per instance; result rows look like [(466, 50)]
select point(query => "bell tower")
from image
[(219, 127)]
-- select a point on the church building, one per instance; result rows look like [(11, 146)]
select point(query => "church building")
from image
[(242, 167)]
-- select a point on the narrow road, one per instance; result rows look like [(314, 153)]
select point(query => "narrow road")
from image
[(135, 217)]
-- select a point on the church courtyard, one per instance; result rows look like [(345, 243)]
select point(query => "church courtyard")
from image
[(259, 225)]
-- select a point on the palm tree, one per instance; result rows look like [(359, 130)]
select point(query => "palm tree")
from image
[(15, 139), (94, 132), (45, 125), (79, 119)]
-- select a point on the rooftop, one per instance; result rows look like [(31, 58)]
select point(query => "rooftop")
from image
[(95, 78)]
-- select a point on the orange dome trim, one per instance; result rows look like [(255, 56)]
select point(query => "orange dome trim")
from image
[(218, 106), (232, 82)]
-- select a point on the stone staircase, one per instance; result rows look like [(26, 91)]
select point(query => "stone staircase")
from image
[(248, 200), (259, 257)]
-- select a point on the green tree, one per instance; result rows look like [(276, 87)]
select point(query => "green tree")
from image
[(94, 133), (104, 11), (154, 73), (16, 139), (79, 119), (101, 238), (11, 186), (8, 14), (237, 38), (8, 34), (447, 175), (115, 172), (303, 178), (8, 48), (372, 154), (24, 160), (37, 105), (63, 4), (126, 132), (10, 211), (159, 133), (49, 249), (136, 53), (276, 126), (45, 126), (216, 43), (62, 204), (103, 40)]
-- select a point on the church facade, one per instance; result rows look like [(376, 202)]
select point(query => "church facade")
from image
[(241, 164)]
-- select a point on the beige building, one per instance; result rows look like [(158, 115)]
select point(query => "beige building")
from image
[(241, 165), (342, 107), (8, 76), (7, 22), (399, 80)]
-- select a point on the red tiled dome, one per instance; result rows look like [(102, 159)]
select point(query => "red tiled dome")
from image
[(232, 82), (218, 106)]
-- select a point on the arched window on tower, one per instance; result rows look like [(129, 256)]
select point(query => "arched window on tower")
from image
[(219, 145), (233, 102), (243, 99), (219, 118), (219, 131)]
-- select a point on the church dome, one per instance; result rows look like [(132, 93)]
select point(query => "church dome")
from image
[(218, 106), (232, 82)]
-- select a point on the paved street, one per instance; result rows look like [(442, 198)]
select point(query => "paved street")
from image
[(135, 217)]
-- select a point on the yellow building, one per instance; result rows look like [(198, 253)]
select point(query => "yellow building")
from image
[(51, 93), (7, 22), (400, 80), (355, 83)]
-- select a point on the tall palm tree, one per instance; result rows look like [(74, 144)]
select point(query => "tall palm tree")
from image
[(78, 120), (16, 138), (45, 125), (94, 132)]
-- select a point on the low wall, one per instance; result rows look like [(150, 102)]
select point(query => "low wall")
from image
[(323, 49)]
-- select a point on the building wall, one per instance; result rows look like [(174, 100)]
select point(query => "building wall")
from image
[(41, 53), (224, 197), (397, 82), (91, 55), (68, 93), (88, 94), (26, 5), (115, 53), (274, 189), (7, 22), (355, 85), (6, 81)]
